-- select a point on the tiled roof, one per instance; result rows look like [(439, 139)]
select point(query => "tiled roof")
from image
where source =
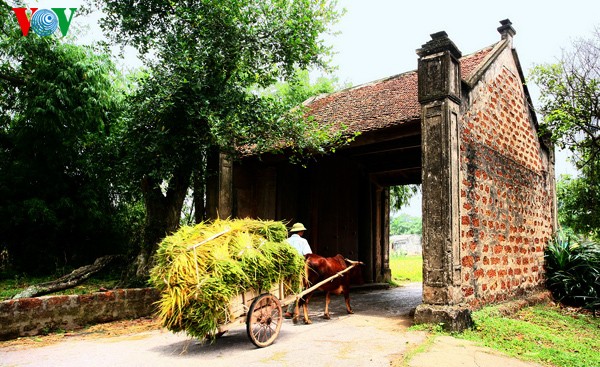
[(469, 63), (371, 106), (382, 103)]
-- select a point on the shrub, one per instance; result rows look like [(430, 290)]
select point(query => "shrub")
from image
[(573, 271)]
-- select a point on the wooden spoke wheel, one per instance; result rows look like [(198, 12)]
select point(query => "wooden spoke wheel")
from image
[(264, 320)]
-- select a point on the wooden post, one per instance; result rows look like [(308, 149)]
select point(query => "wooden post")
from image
[(220, 186)]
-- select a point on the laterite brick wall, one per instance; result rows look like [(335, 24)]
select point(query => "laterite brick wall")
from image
[(33, 316), (506, 191)]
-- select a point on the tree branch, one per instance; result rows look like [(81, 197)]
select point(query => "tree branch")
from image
[(12, 79), (70, 280)]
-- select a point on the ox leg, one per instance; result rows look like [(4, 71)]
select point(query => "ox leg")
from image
[(327, 300), (296, 312), (306, 319), (347, 299), (305, 309)]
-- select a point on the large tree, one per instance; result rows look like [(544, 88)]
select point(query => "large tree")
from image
[(205, 60), (58, 102), (570, 104)]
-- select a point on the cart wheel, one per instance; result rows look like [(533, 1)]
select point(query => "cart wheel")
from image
[(264, 320)]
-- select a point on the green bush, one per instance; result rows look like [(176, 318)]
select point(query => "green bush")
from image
[(406, 224), (573, 271)]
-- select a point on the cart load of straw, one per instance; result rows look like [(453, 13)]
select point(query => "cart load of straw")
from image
[(200, 269)]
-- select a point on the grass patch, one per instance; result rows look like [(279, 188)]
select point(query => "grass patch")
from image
[(11, 286), (406, 269), (545, 334)]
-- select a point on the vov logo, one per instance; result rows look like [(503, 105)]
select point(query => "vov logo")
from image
[(44, 22)]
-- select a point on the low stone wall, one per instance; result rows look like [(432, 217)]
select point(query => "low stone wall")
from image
[(406, 244), (33, 316)]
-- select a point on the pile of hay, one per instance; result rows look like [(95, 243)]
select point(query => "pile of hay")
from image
[(198, 283)]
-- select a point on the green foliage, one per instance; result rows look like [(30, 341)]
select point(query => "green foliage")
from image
[(567, 98), (58, 106), (578, 199), (296, 91), (15, 284), (545, 334), (400, 195), (573, 271), (406, 224), (208, 57), (205, 60), (198, 283)]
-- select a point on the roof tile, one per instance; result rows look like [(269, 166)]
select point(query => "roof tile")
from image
[(382, 103)]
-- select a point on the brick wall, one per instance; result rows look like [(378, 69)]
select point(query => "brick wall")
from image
[(506, 196), (33, 316)]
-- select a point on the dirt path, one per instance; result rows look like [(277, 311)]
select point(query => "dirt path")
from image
[(376, 335), (371, 337)]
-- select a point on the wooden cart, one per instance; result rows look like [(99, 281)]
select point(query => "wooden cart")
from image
[(263, 312)]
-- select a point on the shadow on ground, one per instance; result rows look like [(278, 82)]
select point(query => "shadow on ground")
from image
[(386, 309)]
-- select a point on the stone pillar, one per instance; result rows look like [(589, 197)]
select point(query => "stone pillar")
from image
[(439, 96)]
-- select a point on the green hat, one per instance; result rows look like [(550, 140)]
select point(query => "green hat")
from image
[(297, 227)]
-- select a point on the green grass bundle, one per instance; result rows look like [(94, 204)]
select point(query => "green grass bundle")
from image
[(197, 284)]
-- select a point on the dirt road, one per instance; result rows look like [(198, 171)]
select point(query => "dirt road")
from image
[(373, 336), (376, 335)]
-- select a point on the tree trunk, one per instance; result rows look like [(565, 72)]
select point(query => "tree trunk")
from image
[(163, 213), (70, 280)]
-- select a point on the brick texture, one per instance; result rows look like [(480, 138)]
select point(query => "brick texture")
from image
[(506, 197), (32, 316)]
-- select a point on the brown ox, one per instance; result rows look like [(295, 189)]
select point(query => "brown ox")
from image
[(319, 268)]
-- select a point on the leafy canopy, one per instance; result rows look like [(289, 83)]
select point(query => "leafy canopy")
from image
[(299, 88), (400, 195), (58, 104), (570, 98), (205, 61), (578, 199)]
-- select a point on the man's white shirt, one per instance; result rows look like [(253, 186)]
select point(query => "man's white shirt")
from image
[(299, 244)]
